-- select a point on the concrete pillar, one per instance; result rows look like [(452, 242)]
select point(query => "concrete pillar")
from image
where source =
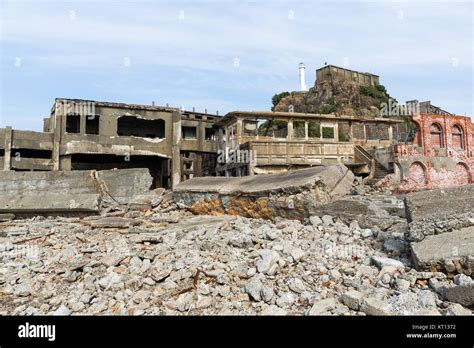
[(175, 150), (238, 132), (8, 148), (57, 132), (336, 131), (82, 124), (290, 130), (306, 130), (65, 162), (390, 133)]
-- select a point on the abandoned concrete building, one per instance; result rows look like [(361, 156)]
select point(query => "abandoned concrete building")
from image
[(330, 72), (267, 142), (84, 134)]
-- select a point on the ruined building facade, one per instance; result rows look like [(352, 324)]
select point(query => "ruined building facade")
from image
[(268, 142), (331, 72), (82, 134), (441, 153)]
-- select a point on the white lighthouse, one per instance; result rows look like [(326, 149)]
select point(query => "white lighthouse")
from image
[(302, 82)]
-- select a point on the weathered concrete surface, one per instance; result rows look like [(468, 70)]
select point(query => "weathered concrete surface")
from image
[(463, 294), (68, 191), (294, 194), (440, 203), (439, 211), (449, 252)]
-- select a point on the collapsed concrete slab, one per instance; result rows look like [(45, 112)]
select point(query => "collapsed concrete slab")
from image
[(294, 194), (439, 211), (448, 252), (69, 191)]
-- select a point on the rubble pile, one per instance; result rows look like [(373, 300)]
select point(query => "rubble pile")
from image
[(159, 259)]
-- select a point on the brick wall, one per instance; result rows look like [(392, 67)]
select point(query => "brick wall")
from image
[(442, 154)]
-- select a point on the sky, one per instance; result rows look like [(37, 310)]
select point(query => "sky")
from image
[(226, 55)]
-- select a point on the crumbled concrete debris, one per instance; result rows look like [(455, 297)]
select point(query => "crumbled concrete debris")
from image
[(462, 294), (374, 306), (439, 211), (323, 306), (352, 299), (293, 194), (448, 252), (164, 261)]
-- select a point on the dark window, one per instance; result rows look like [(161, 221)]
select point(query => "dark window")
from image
[(189, 132), (73, 123), (92, 124), (31, 153), (139, 127), (210, 134)]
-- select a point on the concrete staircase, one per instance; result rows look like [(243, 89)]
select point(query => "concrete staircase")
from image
[(380, 173), (379, 170)]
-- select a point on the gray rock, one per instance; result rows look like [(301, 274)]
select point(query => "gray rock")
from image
[(285, 300), (462, 294), (254, 287), (23, 289), (374, 306), (366, 232), (268, 263), (113, 259), (352, 299), (296, 285), (271, 233), (381, 262), (267, 294), (297, 254), (462, 279), (240, 240), (110, 280), (273, 310), (203, 302), (315, 220), (322, 306), (62, 310), (402, 284), (327, 220), (457, 309)]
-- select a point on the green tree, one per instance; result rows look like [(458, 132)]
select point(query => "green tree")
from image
[(277, 98)]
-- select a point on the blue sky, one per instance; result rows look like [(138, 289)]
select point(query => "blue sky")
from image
[(226, 55)]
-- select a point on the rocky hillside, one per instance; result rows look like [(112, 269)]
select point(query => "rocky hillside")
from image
[(338, 96)]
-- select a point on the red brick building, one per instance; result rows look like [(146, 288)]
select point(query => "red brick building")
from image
[(441, 154)]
